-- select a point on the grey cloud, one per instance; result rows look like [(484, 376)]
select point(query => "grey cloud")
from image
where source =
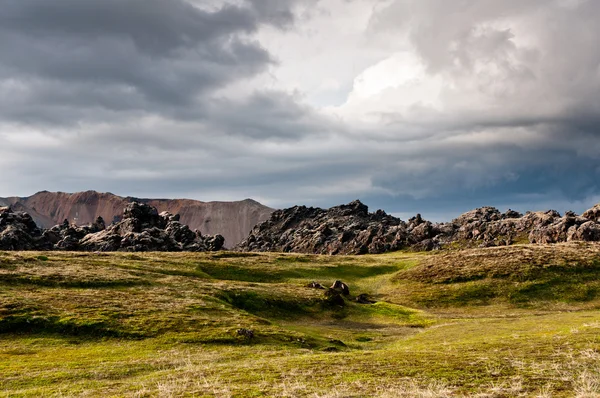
[(277, 12), (125, 95), (268, 115), (154, 26), (451, 35), (147, 55), (434, 25), (543, 91)]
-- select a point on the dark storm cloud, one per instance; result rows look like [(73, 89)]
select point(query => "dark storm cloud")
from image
[(62, 58), (122, 95), (517, 119), (154, 26), (521, 165), (148, 98), (268, 115)]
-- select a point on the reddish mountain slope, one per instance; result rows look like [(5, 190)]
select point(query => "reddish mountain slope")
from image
[(233, 220)]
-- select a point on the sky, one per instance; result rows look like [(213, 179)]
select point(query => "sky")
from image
[(429, 106)]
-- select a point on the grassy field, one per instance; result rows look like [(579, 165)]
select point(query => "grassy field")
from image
[(498, 322)]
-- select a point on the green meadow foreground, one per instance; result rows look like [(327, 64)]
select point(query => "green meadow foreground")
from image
[(499, 322)]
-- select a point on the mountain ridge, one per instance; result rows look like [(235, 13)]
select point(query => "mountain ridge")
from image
[(234, 220)]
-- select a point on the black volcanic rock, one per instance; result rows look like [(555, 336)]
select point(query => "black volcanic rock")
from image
[(346, 229), (142, 229), (351, 229), (593, 214), (18, 231)]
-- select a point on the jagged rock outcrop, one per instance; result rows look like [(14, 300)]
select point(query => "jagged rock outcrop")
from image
[(233, 220), (18, 231), (67, 236), (593, 214), (346, 229), (351, 229), (142, 229), (488, 227)]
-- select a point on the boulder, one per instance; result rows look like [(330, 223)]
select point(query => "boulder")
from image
[(345, 229), (340, 287), (421, 232), (364, 299), (14, 238), (483, 214), (213, 243), (593, 214), (587, 232), (98, 225), (415, 221), (143, 229), (246, 333), (334, 298), (104, 241), (68, 243), (180, 233), (315, 285), (511, 214), (557, 229), (165, 215), (18, 231)]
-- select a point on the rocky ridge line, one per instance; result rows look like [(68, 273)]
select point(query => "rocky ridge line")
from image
[(142, 229), (351, 229)]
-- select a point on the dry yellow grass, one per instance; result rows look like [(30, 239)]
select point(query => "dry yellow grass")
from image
[(520, 321), (505, 261)]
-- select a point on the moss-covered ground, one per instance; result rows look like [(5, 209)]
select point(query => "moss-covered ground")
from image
[(499, 322)]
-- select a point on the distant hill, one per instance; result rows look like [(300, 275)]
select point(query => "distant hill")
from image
[(233, 220)]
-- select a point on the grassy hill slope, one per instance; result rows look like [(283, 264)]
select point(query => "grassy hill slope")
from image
[(501, 322)]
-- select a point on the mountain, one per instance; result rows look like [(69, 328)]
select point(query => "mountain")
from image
[(232, 220)]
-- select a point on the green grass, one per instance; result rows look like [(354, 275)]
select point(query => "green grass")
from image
[(502, 322)]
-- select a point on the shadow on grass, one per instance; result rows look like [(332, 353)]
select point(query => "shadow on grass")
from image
[(234, 255), (556, 289), (261, 338), (263, 305), (569, 284), (57, 281), (294, 259), (528, 272), (27, 324), (275, 274)]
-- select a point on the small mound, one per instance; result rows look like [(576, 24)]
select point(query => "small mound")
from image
[(515, 262)]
